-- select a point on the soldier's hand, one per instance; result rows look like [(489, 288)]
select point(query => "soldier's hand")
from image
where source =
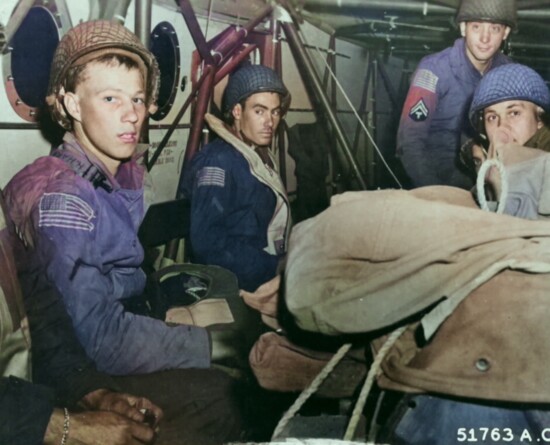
[(98, 428), (139, 409)]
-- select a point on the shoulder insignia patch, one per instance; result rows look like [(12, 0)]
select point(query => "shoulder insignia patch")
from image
[(65, 211), (425, 79), (419, 112), (211, 176)]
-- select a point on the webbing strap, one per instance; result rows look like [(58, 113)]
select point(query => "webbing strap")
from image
[(85, 169)]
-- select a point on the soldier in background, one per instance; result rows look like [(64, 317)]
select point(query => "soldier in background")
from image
[(434, 122)]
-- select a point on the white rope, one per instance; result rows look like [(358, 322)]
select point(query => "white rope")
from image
[(373, 372), (350, 104), (328, 368), (211, 7), (480, 185), (311, 389)]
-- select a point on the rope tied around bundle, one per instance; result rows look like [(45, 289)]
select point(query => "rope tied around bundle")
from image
[(480, 185), (325, 372)]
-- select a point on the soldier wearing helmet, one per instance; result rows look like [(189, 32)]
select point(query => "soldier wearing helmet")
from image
[(78, 211), (509, 110), (513, 99), (240, 215), (434, 122)]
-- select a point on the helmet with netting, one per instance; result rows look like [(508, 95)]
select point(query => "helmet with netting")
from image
[(252, 79), (512, 81), (89, 41), (496, 11)]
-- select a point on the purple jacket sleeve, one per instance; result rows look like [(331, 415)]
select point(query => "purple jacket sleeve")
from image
[(78, 259), (58, 359), (414, 127)]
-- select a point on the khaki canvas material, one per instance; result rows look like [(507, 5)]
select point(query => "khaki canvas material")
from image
[(494, 345), (374, 258), (280, 365)]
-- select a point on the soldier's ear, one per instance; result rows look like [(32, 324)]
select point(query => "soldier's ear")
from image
[(237, 112), (462, 29), (72, 105), (507, 32)]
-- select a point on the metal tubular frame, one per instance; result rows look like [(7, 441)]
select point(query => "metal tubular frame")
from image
[(423, 8), (362, 110), (201, 108), (213, 54), (143, 21), (320, 101), (230, 65), (229, 43), (175, 123), (213, 57)]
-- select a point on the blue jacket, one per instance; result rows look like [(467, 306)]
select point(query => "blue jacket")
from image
[(231, 210), (84, 232), (434, 121)]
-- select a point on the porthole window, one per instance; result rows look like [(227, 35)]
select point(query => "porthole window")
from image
[(27, 65), (165, 47)]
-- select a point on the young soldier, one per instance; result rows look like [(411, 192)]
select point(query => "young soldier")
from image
[(240, 215), (512, 99), (62, 376), (509, 111), (434, 120), (78, 211)]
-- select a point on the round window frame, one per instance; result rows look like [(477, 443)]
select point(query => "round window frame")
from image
[(25, 111), (165, 29)]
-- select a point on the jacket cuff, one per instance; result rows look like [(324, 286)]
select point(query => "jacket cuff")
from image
[(25, 411), (81, 382)]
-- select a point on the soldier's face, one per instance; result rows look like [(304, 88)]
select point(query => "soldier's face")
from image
[(483, 40), (259, 118), (108, 108), (517, 118)]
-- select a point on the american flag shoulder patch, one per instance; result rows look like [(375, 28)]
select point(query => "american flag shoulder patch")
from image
[(425, 79), (211, 176), (65, 211)]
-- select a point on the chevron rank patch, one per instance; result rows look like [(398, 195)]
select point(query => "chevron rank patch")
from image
[(211, 176), (419, 112), (65, 211), (425, 79)]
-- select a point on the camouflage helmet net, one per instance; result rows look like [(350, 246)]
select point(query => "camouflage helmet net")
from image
[(91, 40), (497, 11), (250, 79), (512, 81)]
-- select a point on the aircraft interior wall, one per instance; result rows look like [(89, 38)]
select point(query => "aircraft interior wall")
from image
[(24, 141)]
